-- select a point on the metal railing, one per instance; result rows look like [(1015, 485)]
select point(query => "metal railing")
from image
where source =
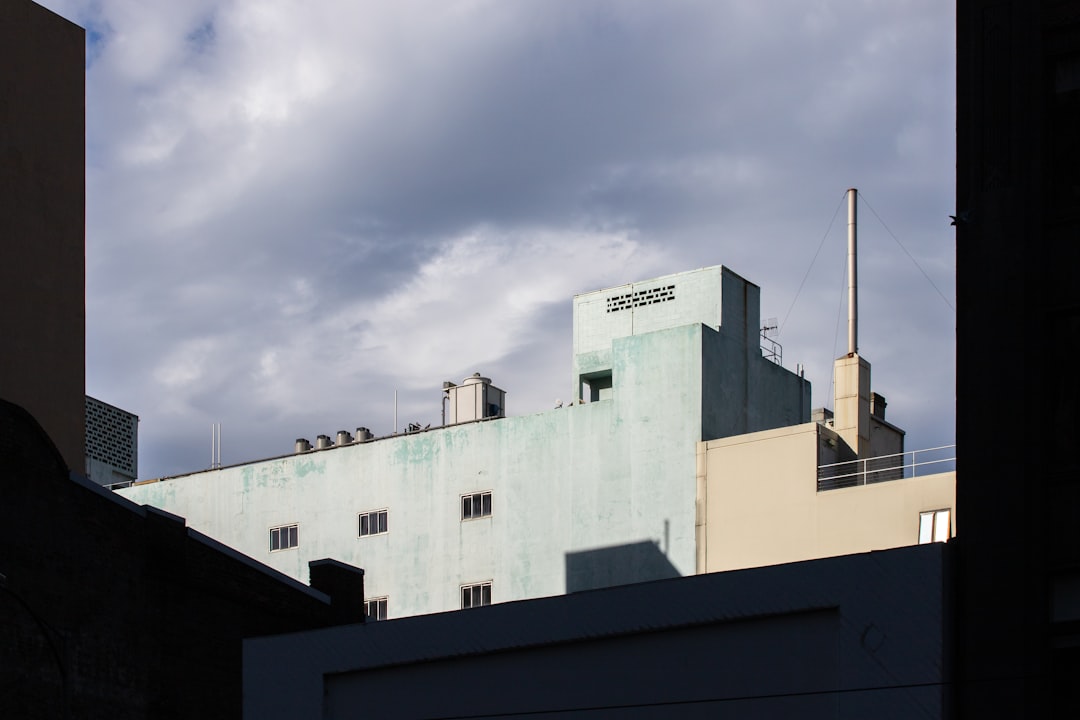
[(914, 463)]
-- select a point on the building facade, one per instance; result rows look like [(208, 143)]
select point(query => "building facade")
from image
[(686, 451), (599, 492), (860, 636), (783, 495)]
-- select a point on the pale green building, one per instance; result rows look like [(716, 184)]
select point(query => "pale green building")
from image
[(492, 509)]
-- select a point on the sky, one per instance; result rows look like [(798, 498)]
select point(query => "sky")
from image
[(297, 210)]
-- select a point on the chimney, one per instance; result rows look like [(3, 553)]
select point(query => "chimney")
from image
[(345, 586), (851, 373)]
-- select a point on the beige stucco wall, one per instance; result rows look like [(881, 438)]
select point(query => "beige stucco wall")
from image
[(758, 503)]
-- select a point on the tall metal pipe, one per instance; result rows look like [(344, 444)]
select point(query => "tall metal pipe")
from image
[(852, 273)]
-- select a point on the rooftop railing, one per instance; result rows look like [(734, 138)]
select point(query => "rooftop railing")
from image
[(914, 463)]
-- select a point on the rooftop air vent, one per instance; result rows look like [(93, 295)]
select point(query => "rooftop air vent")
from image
[(637, 298)]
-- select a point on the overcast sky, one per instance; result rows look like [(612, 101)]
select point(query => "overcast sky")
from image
[(295, 208)]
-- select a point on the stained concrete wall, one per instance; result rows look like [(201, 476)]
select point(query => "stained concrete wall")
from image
[(42, 211), (759, 504), (576, 478)]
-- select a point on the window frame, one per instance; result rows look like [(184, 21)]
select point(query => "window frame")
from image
[(382, 520), (382, 606), (483, 588), (291, 531), (485, 501), (939, 525)]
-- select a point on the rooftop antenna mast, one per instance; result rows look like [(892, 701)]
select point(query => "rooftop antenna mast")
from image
[(215, 445), (852, 272)]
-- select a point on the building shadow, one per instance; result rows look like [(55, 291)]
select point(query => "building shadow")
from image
[(617, 565)]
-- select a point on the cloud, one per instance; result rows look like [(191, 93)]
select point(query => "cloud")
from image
[(294, 208)]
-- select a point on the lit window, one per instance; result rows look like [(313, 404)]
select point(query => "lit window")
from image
[(934, 526), (375, 608), (475, 595), (373, 523), (284, 537), (475, 505)]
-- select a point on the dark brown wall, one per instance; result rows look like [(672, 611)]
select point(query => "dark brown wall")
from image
[(1018, 339), (115, 610), (42, 219)]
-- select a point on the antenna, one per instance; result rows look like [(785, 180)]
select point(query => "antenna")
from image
[(771, 328), (770, 349), (215, 445), (852, 270)]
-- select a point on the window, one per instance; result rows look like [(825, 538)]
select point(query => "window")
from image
[(284, 537), (373, 523), (934, 526), (375, 608), (475, 595), (475, 505)]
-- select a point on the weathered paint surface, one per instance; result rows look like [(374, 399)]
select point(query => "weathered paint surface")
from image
[(605, 474)]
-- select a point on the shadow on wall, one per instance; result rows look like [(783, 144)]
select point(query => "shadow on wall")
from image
[(617, 565)]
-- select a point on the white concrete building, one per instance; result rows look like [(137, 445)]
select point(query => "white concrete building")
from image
[(591, 494)]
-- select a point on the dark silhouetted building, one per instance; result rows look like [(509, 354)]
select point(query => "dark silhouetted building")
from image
[(1018, 333), (111, 610), (42, 219)]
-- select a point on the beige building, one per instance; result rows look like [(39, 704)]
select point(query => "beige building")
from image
[(804, 492)]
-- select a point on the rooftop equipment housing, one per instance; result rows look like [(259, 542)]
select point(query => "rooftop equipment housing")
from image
[(474, 399)]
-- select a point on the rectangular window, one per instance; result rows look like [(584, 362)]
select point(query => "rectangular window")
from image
[(475, 505), (375, 608), (475, 595), (934, 526), (284, 537), (373, 522)]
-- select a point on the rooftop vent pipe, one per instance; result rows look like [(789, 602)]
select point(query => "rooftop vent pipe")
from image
[(363, 434), (343, 437), (852, 273), (302, 445), (322, 442)]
